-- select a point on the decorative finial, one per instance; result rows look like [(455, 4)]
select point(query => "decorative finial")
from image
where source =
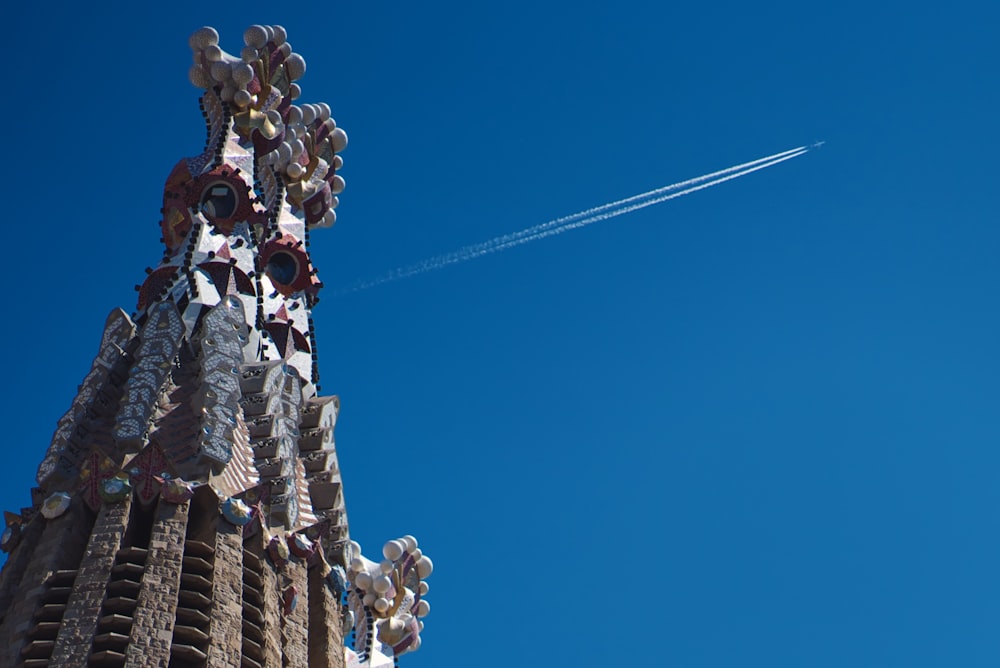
[(300, 143)]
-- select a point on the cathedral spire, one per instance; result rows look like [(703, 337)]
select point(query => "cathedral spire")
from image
[(198, 458)]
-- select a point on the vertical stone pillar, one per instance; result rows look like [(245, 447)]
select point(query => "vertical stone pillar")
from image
[(226, 646), (17, 563), (295, 623), (326, 631), (156, 606), (45, 559), (272, 614), (84, 607)]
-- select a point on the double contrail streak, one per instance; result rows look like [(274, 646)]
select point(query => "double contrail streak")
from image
[(583, 218), (633, 207)]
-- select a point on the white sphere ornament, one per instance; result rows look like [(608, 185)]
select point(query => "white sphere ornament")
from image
[(242, 98), (368, 599), (381, 584), (296, 66), (242, 73), (220, 71), (363, 580), (339, 139), (280, 35), (337, 186), (424, 588), (199, 77), (324, 110), (294, 91), (393, 549), (380, 604), (255, 36), (424, 567), (415, 645), (308, 114), (329, 218), (203, 37), (386, 566), (284, 152), (423, 608), (295, 170), (410, 542), (213, 54), (356, 564)]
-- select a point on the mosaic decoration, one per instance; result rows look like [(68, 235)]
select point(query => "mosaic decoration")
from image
[(55, 505), (237, 217), (219, 396), (277, 550), (116, 488), (300, 143), (228, 278), (12, 531), (236, 512), (97, 469), (300, 545), (147, 472), (67, 451), (287, 265), (290, 599), (160, 340), (177, 491), (337, 577), (155, 285), (387, 599)]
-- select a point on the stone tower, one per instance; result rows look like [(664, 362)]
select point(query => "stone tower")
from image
[(189, 510)]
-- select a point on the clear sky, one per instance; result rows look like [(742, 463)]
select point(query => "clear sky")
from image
[(754, 426)]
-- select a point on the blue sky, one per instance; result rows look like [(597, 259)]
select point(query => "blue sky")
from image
[(754, 426)]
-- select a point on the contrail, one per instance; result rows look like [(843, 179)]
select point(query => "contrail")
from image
[(531, 231), (474, 249), (581, 218), (632, 207)]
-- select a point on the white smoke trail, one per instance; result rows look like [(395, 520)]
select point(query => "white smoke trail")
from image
[(580, 219), (474, 249), (633, 207), (531, 231)]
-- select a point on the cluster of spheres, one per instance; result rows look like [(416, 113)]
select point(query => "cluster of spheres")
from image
[(253, 84), (391, 592)]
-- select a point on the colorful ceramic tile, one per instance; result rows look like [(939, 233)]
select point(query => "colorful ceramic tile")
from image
[(55, 505), (236, 512), (175, 490)]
